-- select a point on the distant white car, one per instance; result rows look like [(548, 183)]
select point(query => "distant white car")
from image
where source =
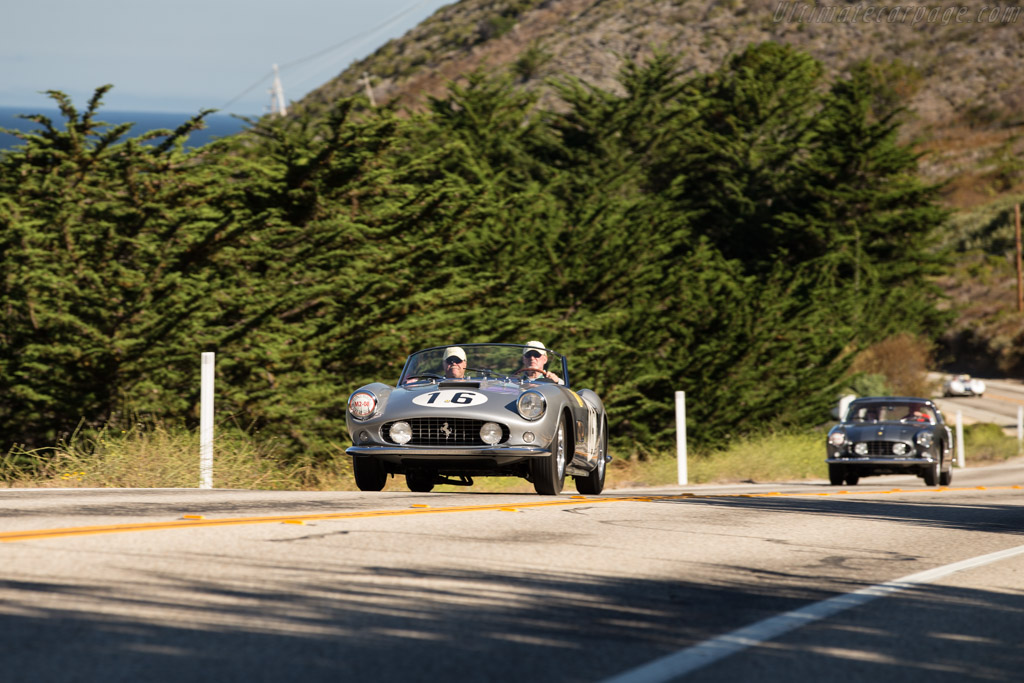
[(963, 385)]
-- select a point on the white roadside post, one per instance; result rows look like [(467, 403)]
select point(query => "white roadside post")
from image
[(959, 439), (206, 422), (1020, 430), (681, 435)]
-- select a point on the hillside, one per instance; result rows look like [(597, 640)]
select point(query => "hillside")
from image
[(958, 71), (961, 80)]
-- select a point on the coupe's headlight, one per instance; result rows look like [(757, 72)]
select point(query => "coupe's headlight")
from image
[(362, 404), (400, 433), (900, 448), (837, 438), (531, 405), (924, 439), (861, 448), (490, 433)]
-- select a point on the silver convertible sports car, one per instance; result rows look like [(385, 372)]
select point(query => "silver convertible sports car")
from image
[(891, 435), (479, 410)]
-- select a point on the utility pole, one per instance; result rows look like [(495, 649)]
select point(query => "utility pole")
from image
[(365, 80), (1020, 279), (277, 105)]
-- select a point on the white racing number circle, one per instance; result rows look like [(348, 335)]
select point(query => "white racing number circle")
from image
[(450, 398)]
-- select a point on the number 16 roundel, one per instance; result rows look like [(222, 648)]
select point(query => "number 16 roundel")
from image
[(450, 398)]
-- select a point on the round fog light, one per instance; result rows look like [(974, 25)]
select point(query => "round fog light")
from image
[(899, 448), (528, 437), (861, 448), (364, 436), (490, 433), (401, 432)]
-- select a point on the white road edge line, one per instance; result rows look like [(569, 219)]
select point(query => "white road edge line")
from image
[(684, 661)]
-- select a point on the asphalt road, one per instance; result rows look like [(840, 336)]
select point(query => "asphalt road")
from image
[(285, 586)]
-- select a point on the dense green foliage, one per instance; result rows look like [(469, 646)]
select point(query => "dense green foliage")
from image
[(737, 235)]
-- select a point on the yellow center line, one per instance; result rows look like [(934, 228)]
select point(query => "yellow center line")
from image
[(196, 521)]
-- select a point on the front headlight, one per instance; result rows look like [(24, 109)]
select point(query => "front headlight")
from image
[(837, 438), (362, 404), (400, 433), (490, 433), (531, 405), (924, 439)]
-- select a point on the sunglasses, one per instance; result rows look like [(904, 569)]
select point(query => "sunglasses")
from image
[(453, 360), (533, 354)]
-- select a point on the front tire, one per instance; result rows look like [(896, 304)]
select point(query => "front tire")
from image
[(932, 474), (593, 483), (420, 481), (548, 473), (369, 473), (835, 475), (946, 477)]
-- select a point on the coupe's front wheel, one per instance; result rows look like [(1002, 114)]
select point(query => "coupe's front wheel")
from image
[(945, 478), (548, 473), (835, 475), (593, 483), (369, 473), (931, 474), (420, 481)]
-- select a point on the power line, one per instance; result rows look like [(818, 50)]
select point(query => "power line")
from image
[(347, 41), (263, 79)]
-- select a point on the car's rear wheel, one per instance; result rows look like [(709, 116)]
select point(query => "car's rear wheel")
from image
[(369, 473), (931, 474), (835, 475), (420, 481), (593, 483), (548, 473)]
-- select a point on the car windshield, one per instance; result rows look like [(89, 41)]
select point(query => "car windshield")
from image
[(516, 362), (886, 411)]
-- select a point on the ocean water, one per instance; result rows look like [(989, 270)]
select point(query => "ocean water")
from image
[(217, 126)]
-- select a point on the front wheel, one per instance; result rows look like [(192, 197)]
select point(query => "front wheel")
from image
[(369, 473), (593, 483), (835, 475), (931, 474), (548, 473), (420, 481), (945, 478)]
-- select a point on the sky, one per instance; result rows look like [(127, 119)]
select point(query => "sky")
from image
[(187, 55)]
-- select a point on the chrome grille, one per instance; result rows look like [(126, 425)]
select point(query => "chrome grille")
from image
[(884, 448), (443, 431)]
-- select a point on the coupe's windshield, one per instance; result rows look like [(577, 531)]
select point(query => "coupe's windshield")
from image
[(884, 411), (517, 362)]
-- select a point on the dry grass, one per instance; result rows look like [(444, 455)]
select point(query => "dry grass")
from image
[(161, 457)]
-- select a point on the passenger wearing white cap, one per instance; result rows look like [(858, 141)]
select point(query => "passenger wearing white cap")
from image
[(535, 357), (454, 362)]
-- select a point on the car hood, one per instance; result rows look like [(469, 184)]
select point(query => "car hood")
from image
[(884, 431), (478, 394)]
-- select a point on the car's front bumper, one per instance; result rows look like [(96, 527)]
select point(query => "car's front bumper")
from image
[(885, 462), (461, 451)]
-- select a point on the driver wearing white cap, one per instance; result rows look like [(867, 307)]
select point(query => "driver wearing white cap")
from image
[(535, 357), (454, 362)]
